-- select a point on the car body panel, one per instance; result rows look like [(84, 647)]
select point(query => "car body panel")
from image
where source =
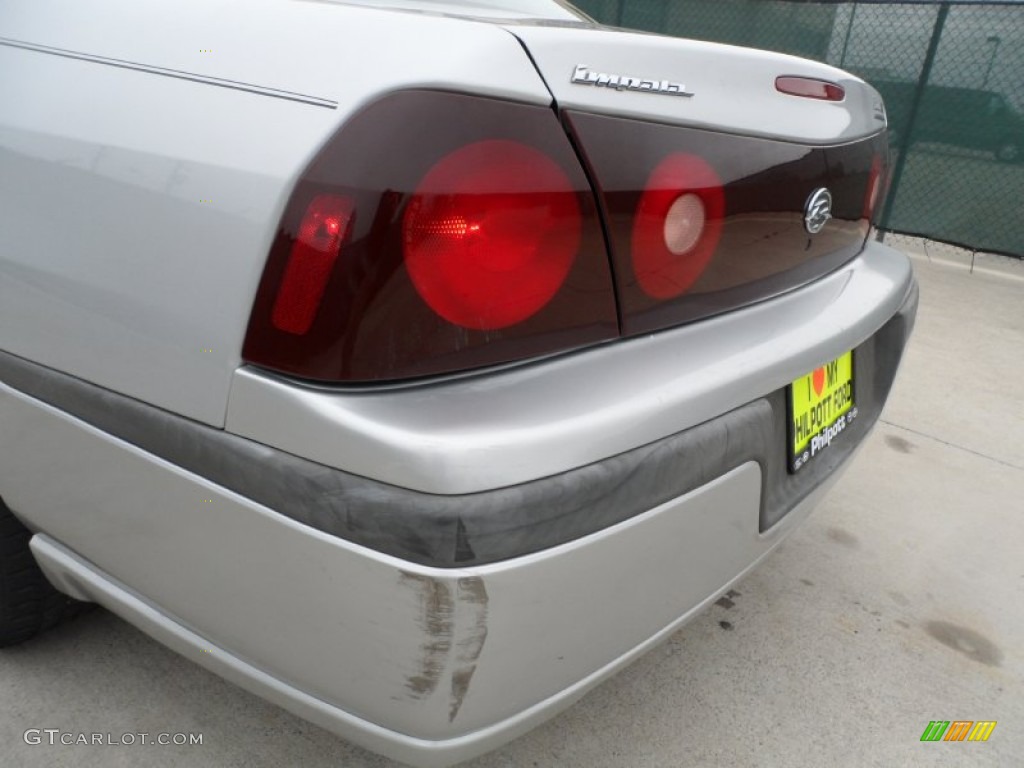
[(546, 10), (135, 233), (336, 51)]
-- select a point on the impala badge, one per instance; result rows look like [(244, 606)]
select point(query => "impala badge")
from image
[(818, 210), (583, 76)]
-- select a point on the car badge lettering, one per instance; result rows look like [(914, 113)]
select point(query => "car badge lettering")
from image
[(818, 210), (582, 75)]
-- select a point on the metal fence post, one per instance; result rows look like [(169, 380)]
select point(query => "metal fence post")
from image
[(846, 40), (915, 105)]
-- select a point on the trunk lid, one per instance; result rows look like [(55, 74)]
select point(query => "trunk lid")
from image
[(733, 89), (712, 183)]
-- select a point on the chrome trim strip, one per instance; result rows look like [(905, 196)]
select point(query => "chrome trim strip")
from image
[(220, 82)]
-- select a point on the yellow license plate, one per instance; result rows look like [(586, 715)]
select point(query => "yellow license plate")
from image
[(821, 408)]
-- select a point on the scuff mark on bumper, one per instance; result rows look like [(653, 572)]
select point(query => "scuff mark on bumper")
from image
[(473, 602), (453, 620), (435, 620)]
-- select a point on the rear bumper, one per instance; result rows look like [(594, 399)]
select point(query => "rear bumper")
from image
[(428, 667), (410, 650), (714, 388)]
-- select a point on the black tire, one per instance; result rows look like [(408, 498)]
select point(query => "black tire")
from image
[(28, 602)]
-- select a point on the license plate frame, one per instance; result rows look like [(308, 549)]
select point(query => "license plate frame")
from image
[(818, 417)]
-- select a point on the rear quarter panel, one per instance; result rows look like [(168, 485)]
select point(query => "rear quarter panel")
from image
[(147, 152)]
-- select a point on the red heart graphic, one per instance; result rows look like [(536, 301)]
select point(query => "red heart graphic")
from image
[(818, 380)]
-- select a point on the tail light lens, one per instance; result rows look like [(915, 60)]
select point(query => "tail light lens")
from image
[(437, 233), (701, 222), (677, 225), (434, 233), (881, 178), (321, 233), (874, 188), (491, 234)]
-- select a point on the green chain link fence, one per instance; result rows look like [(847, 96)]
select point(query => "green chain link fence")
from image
[(951, 73)]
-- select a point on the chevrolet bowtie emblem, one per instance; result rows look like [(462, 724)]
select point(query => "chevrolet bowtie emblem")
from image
[(818, 210)]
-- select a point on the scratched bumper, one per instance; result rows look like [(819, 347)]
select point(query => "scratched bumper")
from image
[(430, 665)]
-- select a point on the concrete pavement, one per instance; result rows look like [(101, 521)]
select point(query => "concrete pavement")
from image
[(899, 602)]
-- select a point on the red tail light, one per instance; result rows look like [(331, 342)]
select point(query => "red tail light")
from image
[(438, 233), (491, 233), (319, 240), (434, 233), (880, 179), (701, 222), (677, 225), (873, 193)]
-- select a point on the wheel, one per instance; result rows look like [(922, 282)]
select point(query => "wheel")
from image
[(28, 602), (1009, 152)]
